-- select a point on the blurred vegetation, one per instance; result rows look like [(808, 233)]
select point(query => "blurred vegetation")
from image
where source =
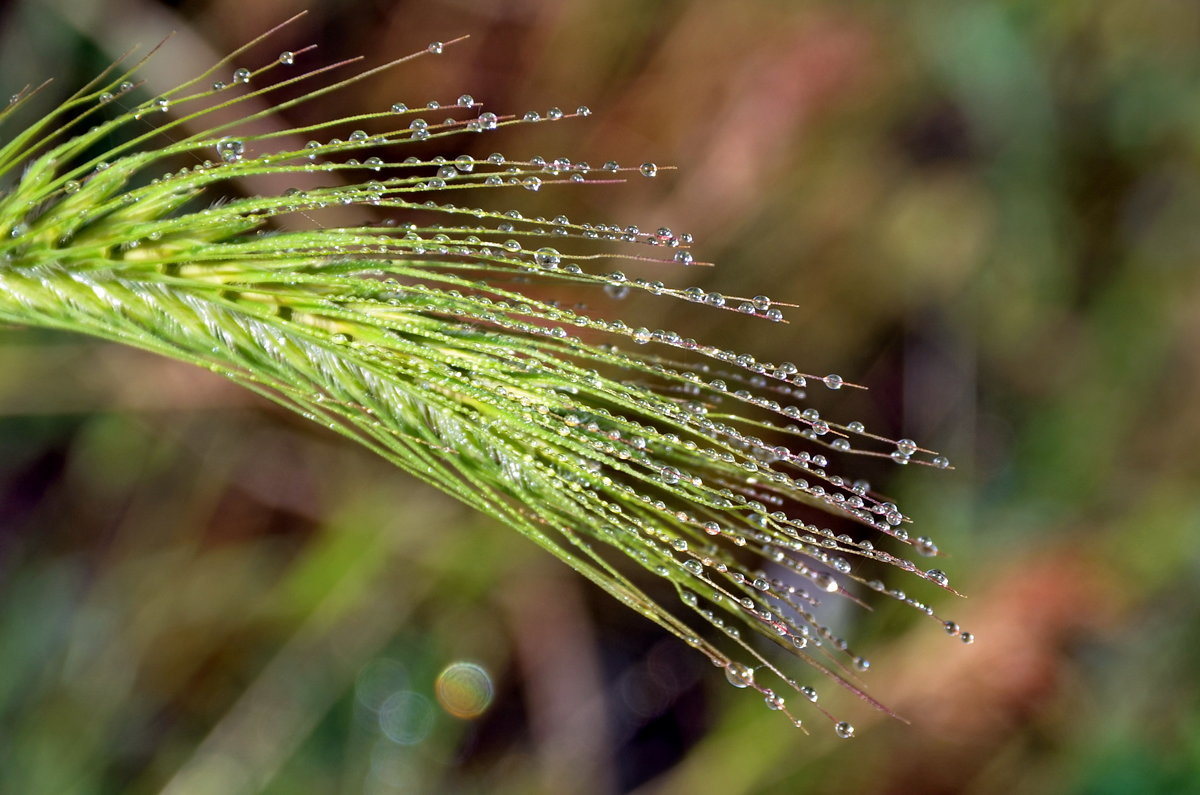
[(985, 211)]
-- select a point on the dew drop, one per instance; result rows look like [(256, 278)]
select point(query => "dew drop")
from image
[(844, 730), (833, 381), (669, 475), (648, 169), (926, 546), (241, 76), (436, 47), (547, 257), (739, 675), (466, 101), (230, 150), (287, 57), (938, 576), (826, 582)]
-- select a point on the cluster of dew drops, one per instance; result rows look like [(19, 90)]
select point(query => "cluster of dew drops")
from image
[(788, 380)]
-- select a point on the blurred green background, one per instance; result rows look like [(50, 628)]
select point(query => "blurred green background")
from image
[(989, 212)]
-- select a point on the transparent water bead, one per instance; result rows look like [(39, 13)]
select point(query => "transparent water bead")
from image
[(617, 291), (287, 57), (844, 730), (488, 121), (739, 675), (669, 475), (399, 107), (906, 447), (826, 582), (241, 75), (938, 576), (466, 101), (436, 47), (230, 150), (648, 169), (583, 110), (531, 183), (834, 381)]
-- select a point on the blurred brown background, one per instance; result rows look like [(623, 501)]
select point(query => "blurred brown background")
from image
[(987, 212)]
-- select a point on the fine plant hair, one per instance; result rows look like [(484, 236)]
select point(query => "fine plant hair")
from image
[(635, 456)]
